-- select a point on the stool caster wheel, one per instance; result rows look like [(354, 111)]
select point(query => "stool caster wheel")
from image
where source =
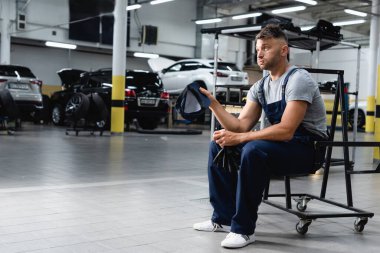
[(303, 226), (302, 203), (360, 223), (301, 207)]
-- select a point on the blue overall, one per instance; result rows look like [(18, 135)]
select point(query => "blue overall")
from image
[(236, 196)]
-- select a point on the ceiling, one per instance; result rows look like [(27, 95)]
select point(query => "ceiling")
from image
[(330, 10)]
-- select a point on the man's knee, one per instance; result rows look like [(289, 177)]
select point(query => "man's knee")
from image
[(254, 149), (254, 162)]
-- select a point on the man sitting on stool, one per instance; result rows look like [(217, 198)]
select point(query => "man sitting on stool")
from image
[(293, 105)]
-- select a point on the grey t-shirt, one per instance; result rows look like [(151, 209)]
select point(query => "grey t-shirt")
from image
[(300, 86)]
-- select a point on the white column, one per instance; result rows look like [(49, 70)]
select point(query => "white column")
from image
[(5, 47), (373, 49), (241, 53), (119, 60), (119, 38)]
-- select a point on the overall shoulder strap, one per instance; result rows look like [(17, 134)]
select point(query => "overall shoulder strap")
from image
[(286, 82), (260, 92)]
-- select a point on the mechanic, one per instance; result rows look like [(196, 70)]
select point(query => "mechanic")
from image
[(293, 105)]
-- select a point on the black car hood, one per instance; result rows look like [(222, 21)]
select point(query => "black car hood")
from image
[(69, 76)]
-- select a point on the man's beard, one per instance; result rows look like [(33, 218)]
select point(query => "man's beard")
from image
[(269, 65)]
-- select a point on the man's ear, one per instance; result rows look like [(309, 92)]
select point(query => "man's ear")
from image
[(284, 50)]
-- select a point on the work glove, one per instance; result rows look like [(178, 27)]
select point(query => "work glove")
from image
[(228, 158)]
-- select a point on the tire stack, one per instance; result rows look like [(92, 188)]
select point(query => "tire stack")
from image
[(8, 109), (87, 111)]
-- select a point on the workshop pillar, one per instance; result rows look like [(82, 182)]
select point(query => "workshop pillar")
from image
[(119, 66)]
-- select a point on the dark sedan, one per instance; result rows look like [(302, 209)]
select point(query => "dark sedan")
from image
[(145, 98)]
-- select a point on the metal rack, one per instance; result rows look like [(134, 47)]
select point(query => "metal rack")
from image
[(82, 125), (303, 198)]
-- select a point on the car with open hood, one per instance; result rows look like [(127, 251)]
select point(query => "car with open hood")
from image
[(176, 75), (145, 97)]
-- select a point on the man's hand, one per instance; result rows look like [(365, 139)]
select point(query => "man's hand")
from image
[(206, 92), (227, 138), (209, 95)]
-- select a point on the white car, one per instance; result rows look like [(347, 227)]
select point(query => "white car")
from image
[(176, 75)]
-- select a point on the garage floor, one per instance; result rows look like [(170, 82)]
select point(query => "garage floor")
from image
[(143, 192)]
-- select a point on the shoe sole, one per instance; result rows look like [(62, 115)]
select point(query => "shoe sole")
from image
[(237, 247)]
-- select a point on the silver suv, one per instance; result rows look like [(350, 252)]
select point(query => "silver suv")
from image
[(24, 87)]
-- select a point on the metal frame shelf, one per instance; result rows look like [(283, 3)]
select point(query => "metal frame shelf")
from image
[(303, 198)]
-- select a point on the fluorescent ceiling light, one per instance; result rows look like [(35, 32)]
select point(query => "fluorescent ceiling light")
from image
[(311, 2), (208, 21), (306, 28), (248, 15), (290, 9), (357, 13), (60, 45), (349, 22), (145, 55), (243, 29), (133, 7), (160, 1)]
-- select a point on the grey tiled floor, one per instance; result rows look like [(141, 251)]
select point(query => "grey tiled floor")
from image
[(142, 193)]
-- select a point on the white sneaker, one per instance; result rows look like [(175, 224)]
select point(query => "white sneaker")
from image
[(210, 226), (237, 240)]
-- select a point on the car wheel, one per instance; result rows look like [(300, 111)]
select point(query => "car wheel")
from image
[(361, 118), (77, 107), (99, 111), (57, 115), (9, 107), (148, 124)]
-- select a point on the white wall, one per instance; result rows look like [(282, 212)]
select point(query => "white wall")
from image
[(230, 49), (176, 31), (42, 18), (45, 62)]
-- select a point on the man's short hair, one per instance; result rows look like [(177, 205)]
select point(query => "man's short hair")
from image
[(272, 31)]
